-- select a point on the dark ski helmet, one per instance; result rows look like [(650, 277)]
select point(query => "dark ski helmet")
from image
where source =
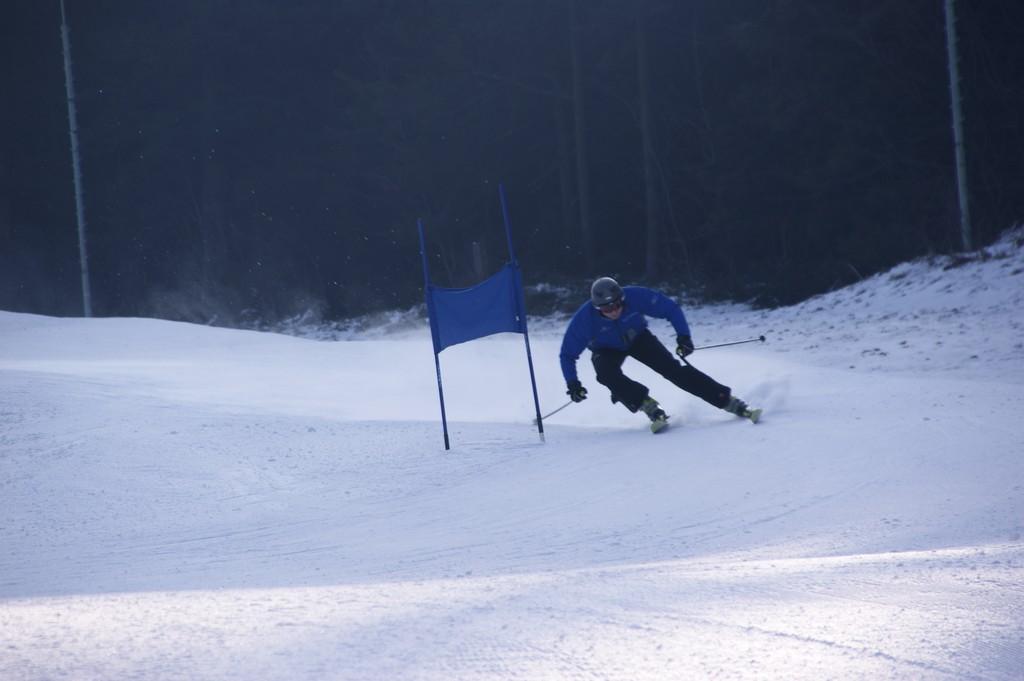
[(605, 291)]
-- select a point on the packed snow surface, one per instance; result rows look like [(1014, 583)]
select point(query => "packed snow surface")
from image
[(186, 502)]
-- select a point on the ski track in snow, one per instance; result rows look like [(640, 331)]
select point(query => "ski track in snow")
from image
[(189, 502)]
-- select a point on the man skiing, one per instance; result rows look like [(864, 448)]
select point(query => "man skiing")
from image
[(614, 326)]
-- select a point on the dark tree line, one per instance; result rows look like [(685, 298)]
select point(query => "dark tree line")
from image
[(253, 159)]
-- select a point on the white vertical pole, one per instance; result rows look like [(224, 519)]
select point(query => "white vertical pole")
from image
[(69, 85), (958, 126)]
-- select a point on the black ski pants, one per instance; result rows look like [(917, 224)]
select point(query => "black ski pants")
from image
[(647, 349)]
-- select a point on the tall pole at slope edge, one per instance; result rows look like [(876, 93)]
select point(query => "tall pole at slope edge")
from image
[(958, 127), (76, 166)]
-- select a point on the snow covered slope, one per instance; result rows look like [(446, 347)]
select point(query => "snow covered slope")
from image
[(190, 502)]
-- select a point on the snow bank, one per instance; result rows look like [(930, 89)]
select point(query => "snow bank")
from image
[(179, 501)]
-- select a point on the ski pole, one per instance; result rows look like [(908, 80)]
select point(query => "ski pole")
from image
[(722, 345), (553, 412), (703, 347)]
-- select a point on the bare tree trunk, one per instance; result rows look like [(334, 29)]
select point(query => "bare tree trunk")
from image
[(480, 267), (646, 133), (6, 204), (579, 121), (565, 189), (213, 194)]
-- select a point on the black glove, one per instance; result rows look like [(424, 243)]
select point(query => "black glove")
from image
[(685, 345), (576, 391)]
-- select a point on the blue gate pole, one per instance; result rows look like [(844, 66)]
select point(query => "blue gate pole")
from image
[(433, 331), (521, 307)]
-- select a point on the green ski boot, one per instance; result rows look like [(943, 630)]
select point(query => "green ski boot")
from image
[(658, 417), (741, 409)]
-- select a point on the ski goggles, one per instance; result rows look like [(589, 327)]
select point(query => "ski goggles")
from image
[(610, 307)]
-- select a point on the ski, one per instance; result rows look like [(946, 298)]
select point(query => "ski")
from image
[(753, 414), (659, 424)]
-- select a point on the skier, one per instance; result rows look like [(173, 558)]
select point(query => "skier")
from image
[(612, 324)]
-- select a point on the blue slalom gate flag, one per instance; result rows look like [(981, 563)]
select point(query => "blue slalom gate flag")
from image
[(458, 315), (495, 305)]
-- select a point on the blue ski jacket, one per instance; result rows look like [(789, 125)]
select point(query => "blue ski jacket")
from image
[(590, 329)]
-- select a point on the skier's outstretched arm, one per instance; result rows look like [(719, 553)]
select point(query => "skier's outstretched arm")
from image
[(657, 304)]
